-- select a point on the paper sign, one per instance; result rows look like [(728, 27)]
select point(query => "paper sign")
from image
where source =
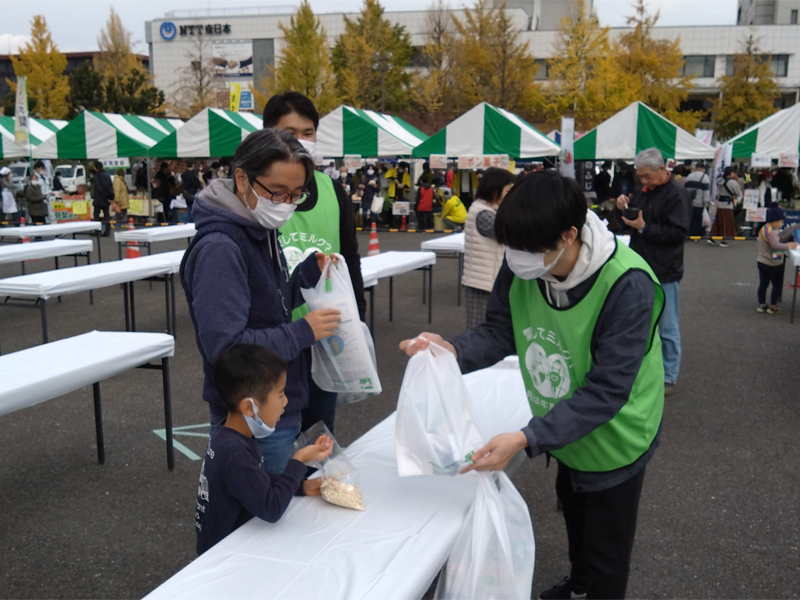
[(80, 208), (352, 161), (567, 147), (401, 208), (756, 215), (438, 161), (135, 206), (466, 163), (761, 160), (750, 199), (790, 159)]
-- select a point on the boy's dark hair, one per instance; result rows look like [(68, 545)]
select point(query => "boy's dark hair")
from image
[(539, 210), (246, 371), (281, 105), (492, 183)]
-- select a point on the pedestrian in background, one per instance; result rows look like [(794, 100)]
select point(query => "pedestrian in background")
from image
[(771, 254), (191, 187), (454, 213), (10, 209), (698, 187), (729, 195), (37, 208), (658, 233), (121, 197), (103, 195), (424, 206)]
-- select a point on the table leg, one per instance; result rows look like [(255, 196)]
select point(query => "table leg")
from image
[(430, 292), (391, 294), (23, 267), (127, 307), (423, 286), (794, 293), (119, 250), (174, 311), (99, 249), (460, 275), (98, 424), (168, 411), (372, 310), (43, 307), (133, 308), (149, 252)]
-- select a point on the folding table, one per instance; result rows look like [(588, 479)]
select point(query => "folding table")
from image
[(33, 291), (41, 373), (55, 230), (794, 256), (394, 549), (149, 235), (449, 246)]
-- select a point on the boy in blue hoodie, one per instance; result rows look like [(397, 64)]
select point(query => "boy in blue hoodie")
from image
[(233, 486)]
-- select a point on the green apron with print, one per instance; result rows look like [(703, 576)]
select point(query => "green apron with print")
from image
[(314, 231), (554, 348)]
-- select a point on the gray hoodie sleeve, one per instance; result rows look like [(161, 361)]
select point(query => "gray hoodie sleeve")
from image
[(618, 349)]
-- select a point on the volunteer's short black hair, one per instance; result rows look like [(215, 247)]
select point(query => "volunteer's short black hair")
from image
[(492, 183), (247, 371), (539, 210), (262, 148), (281, 105)]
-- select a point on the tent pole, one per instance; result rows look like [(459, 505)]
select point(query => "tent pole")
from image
[(149, 181)]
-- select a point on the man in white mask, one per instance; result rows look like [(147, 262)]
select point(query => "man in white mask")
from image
[(581, 311), (324, 222)]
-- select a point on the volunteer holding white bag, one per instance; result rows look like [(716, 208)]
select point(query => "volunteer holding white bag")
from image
[(581, 311)]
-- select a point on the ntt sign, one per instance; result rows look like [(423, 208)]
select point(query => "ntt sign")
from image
[(168, 29)]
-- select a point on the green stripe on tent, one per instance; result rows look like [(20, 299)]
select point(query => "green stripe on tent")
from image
[(652, 130), (73, 137), (359, 133), (48, 124), (128, 147), (167, 148), (500, 135), (410, 128), (224, 136), (745, 146), (143, 126), (240, 121), (585, 147), (436, 144)]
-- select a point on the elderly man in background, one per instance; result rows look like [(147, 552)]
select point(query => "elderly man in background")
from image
[(657, 215)]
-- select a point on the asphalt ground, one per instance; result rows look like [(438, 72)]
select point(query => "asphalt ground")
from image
[(719, 512)]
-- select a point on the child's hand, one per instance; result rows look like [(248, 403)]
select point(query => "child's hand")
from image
[(311, 487), (317, 452)]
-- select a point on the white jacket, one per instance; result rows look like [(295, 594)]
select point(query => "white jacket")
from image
[(483, 257)]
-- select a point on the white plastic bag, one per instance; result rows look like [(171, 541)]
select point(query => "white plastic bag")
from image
[(706, 218), (343, 398), (342, 362), (436, 432), (377, 204), (494, 552)]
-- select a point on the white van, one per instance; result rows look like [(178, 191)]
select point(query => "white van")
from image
[(20, 176), (72, 176)]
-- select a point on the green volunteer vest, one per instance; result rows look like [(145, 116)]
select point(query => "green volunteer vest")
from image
[(314, 231), (554, 348)]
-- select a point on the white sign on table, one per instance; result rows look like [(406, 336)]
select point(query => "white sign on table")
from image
[(401, 208), (790, 160), (756, 215), (750, 199)]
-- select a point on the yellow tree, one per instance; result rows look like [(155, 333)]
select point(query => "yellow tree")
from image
[(304, 64), (116, 58), (584, 78), (656, 67), (747, 96), (492, 63), (43, 65)]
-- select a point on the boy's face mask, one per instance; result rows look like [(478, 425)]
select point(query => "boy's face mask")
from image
[(258, 428), (529, 265)]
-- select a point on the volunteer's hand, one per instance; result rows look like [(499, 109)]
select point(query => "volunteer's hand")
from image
[(496, 455), (422, 341), (311, 487), (793, 245), (318, 451), (622, 202), (637, 224), (323, 322)]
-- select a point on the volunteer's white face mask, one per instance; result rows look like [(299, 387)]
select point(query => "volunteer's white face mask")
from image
[(529, 265), (270, 215), (311, 147)]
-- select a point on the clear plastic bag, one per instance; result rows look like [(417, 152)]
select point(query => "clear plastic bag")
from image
[(342, 362), (436, 432), (494, 552), (343, 398), (340, 479)]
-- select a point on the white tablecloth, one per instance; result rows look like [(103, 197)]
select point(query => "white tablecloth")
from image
[(447, 243), (794, 256), (156, 234), (44, 372), (394, 549), (369, 277), (54, 230), (392, 264), (10, 253), (74, 280)]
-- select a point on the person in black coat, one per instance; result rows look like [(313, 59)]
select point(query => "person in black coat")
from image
[(103, 196)]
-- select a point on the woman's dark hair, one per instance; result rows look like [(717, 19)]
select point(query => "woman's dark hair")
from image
[(727, 172), (261, 148), (247, 371), (291, 102), (538, 211), (492, 182)]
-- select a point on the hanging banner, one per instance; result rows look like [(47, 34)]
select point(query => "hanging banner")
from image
[(438, 161), (761, 160), (235, 96), (567, 147), (722, 158), (790, 160), (750, 199), (704, 135), (22, 125)]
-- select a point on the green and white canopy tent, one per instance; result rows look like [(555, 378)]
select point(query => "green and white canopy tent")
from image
[(348, 130), (211, 132), (106, 135), (634, 129), (486, 129), (41, 130), (777, 134)]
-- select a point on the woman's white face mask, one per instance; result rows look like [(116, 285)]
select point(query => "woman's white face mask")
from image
[(270, 215), (529, 265)]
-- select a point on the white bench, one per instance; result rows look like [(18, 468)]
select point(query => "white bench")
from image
[(83, 360), (54, 230), (392, 264), (147, 236), (394, 549), (56, 248), (33, 291), (449, 246)]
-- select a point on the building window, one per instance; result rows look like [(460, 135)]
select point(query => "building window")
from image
[(778, 62), (541, 74), (793, 18), (699, 65)]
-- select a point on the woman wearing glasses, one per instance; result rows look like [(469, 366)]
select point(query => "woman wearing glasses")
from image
[(236, 280)]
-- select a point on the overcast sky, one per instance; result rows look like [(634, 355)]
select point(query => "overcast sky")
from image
[(75, 24)]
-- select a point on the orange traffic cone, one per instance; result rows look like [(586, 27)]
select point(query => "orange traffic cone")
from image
[(132, 250), (373, 241), (25, 239), (403, 224)]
